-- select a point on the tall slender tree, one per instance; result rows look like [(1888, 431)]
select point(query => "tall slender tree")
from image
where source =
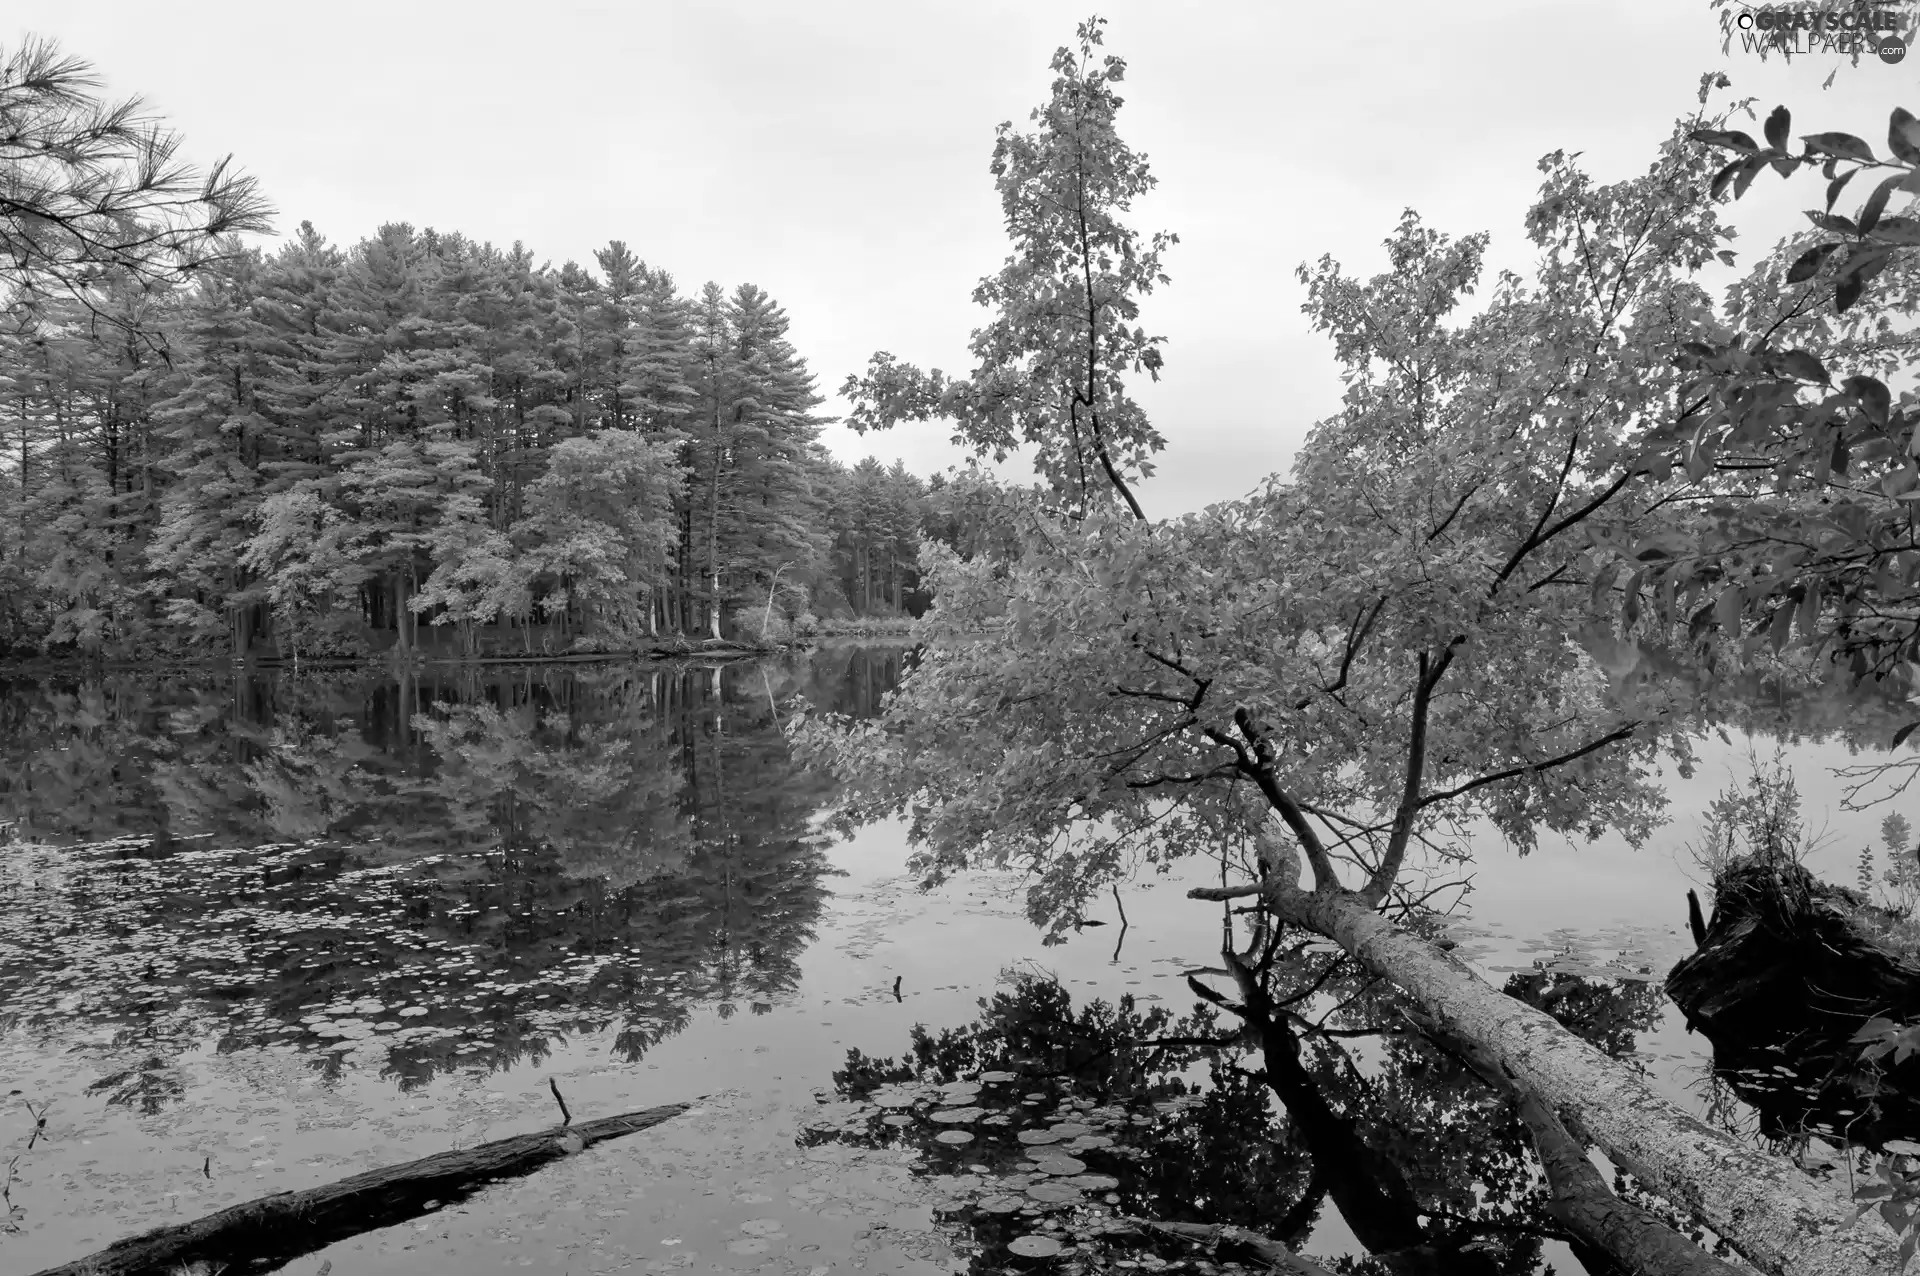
[(1053, 362)]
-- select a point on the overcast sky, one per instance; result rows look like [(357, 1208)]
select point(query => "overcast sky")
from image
[(835, 153)]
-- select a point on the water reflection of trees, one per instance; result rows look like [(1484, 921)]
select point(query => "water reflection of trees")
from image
[(416, 872), (1343, 1105)]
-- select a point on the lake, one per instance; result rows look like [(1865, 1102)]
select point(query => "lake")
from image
[(259, 932)]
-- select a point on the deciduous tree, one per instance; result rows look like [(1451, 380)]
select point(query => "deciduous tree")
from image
[(1053, 361), (1337, 673)]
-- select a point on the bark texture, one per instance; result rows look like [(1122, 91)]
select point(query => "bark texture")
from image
[(1587, 1207), (1777, 1218), (264, 1234)]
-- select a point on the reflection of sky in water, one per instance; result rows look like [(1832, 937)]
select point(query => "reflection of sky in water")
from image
[(609, 881)]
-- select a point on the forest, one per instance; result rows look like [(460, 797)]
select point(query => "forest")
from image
[(421, 442)]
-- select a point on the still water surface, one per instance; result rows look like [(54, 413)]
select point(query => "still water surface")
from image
[(260, 933)]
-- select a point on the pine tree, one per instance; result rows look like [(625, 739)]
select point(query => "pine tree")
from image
[(756, 507)]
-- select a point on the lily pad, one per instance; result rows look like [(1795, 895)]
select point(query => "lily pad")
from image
[(1054, 1192), (1049, 1162), (1033, 1138), (952, 1136), (1001, 1204), (1070, 1130), (897, 1118), (959, 1116), (1034, 1246)]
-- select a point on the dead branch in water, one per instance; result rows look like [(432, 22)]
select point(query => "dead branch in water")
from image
[(264, 1234)]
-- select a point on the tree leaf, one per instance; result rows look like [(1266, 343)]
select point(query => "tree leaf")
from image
[(1750, 169), (1780, 627), (1897, 230), (1833, 222), (1807, 264), (1848, 291), (1694, 355), (1867, 261), (1837, 185), (1699, 463), (1718, 186), (1806, 616), (1872, 395), (1877, 203), (1732, 139), (1727, 609), (1903, 135), (1899, 738), (1798, 363), (1776, 128), (1845, 145)]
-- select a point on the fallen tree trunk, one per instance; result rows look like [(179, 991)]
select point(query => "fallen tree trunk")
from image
[(1587, 1207), (1777, 1218), (1605, 1228), (264, 1234)]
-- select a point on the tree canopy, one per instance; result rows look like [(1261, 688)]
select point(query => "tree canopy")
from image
[(1332, 683)]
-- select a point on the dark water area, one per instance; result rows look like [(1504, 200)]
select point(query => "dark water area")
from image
[(459, 865), (261, 932)]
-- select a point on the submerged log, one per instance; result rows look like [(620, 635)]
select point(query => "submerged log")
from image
[(264, 1234), (1787, 972)]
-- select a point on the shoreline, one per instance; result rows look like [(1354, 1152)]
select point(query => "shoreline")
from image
[(705, 649)]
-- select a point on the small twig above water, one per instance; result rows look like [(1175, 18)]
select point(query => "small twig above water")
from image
[(566, 1117), (9, 1212), (896, 987), (39, 1122)]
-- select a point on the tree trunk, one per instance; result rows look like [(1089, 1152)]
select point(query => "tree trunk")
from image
[(272, 1230), (1777, 1218), (400, 611), (1583, 1202)]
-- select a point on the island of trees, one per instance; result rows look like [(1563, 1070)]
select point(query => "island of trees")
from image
[(418, 442)]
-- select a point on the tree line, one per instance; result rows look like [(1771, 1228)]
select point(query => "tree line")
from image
[(419, 441)]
